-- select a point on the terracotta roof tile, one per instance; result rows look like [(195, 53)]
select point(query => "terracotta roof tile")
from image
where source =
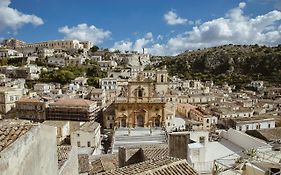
[(73, 102), (164, 166), (11, 132)]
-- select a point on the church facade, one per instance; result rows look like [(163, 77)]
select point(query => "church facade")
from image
[(142, 103)]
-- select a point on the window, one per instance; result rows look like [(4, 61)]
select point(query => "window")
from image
[(240, 128), (247, 127), (89, 144), (207, 121), (269, 125), (78, 144), (78, 135), (258, 126), (202, 139)]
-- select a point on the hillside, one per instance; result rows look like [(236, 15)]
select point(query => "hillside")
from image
[(236, 64)]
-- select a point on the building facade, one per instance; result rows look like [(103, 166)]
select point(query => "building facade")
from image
[(140, 105), (8, 98), (31, 109), (72, 109), (87, 136)]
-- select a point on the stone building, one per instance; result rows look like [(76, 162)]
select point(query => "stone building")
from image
[(140, 105), (31, 108), (87, 136), (8, 97), (72, 109)]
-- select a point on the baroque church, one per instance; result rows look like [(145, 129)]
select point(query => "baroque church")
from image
[(142, 102)]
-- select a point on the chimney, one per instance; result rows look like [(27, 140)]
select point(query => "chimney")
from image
[(178, 144), (128, 156), (142, 50)]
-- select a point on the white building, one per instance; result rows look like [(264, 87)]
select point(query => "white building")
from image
[(108, 83), (257, 84), (62, 129), (43, 87), (45, 52), (57, 61), (88, 136), (252, 123), (82, 81), (201, 153), (98, 95), (32, 72), (96, 58), (192, 84), (75, 61), (73, 87), (9, 53), (106, 65), (234, 113)]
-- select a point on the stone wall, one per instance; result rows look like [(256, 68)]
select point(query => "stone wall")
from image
[(71, 165), (178, 144), (33, 153)]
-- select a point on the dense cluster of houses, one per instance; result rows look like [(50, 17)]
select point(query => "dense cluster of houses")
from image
[(206, 129)]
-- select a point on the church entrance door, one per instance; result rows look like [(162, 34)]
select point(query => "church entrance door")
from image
[(140, 120), (123, 122), (157, 122)]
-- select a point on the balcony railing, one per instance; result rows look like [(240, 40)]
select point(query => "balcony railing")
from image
[(140, 100)]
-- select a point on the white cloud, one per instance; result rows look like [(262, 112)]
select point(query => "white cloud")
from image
[(160, 37), (138, 45), (122, 46), (172, 18), (149, 35), (234, 28), (83, 32), (12, 18), (242, 5)]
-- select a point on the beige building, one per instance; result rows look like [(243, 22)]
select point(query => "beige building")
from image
[(13, 43), (140, 105), (59, 44), (87, 136), (98, 95), (31, 108), (196, 118), (8, 98), (106, 65), (62, 129), (72, 109)]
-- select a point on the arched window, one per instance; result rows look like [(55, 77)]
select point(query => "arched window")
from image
[(162, 78)]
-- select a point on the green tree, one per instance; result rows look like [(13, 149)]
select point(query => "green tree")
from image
[(94, 49), (93, 81)]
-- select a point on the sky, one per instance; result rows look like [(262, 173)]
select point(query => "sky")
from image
[(162, 27)]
